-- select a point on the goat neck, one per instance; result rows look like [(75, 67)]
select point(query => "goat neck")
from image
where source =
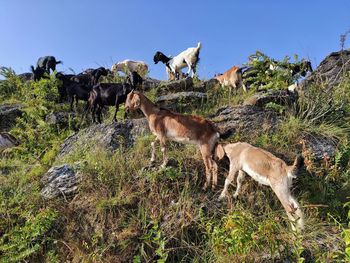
[(148, 107)]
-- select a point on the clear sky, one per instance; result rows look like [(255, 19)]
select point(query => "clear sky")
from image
[(94, 33)]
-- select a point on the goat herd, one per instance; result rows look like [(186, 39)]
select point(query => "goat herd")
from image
[(167, 125)]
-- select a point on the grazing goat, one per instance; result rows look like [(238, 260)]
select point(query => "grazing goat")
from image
[(38, 73), (107, 94), (167, 125), (127, 66), (232, 78), (188, 58), (265, 168), (47, 63), (90, 77)]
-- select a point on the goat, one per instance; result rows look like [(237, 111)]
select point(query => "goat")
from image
[(265, 168), (38, 73), (188, 58), (107, 94), (167, 125), (232, 78), (47, 63), (127, 66), (66, 80), (134, 79), (90, 77)]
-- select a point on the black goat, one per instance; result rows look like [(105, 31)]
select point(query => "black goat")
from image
[(135, 80), (108, 94), (90, 77), (47, 63), (38, 73), (73, 90)]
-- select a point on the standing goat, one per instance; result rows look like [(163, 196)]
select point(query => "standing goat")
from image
[(265, 168), (167, 125), (127, 66), (188, 58), (232, 78), (47, 63)]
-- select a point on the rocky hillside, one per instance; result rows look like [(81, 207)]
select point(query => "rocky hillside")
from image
[(75, 191)]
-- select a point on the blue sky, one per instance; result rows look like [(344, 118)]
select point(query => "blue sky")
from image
[(91, 33)]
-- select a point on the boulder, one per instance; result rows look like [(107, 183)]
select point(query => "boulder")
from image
[(150, 83), (246, 119), (109, 136), (331, 70), (181, 100), (281, 97), (7, 141), (8, 115), (61, 119), (60, 181), (166, 87)]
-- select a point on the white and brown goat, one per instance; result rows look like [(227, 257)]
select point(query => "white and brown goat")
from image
[(171, 126), (265, 168)]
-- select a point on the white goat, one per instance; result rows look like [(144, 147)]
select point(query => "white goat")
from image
[(127, 66), (188, 58), (265, 168)]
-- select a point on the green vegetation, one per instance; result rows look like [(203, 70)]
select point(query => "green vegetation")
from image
[(122, 213)]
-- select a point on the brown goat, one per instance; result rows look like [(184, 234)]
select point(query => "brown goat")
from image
[(232, 78), (167, 125), (265, 168)]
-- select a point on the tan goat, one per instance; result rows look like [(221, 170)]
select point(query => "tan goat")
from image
[(167, 125), (232, 78), (265, 168)]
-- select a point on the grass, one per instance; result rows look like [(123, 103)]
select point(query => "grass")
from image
[(123, 213)]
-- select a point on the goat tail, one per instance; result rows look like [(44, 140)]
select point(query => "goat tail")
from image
[(59, 62), (219, 152), (199, 45), (295, 167), (32, 68)]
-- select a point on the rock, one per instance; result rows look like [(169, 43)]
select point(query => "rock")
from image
[(61, 119), (150, 83), (60, 181), (26, 76), (317, 148), (331, 70), (7, 141), (166, 87), (181, 100), (281, 97), (109, 136), (8, 115), (246, 119)]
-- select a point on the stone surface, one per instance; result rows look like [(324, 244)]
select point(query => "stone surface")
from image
[(61, 119), (60, 181), (7, 141), (181, 100), (8, 115), (330, 71), (281, 97), (246, 119), (166, 87), (109, 136)]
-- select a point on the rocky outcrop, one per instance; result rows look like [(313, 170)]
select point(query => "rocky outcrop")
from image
[(245, 120), (331, 70), (181, 100), (281, 97), (8, 115), (60, 181), (108, 136), (175, 86)]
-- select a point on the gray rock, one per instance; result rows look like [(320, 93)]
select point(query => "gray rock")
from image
[(281, 97), (181, 100), (166, 87), (61, 119), (7, 141), (331, 70), (109, 136), (150, 83), (8, 115), (60, 181), (246, 120)]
